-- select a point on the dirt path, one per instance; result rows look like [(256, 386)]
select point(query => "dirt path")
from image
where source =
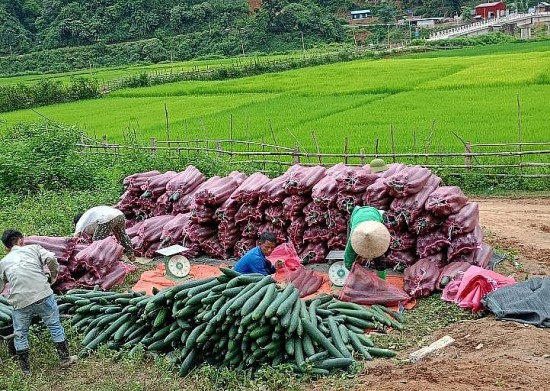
[(487, 354), (522, 225)]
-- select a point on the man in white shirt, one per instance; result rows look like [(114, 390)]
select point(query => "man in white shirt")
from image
[(31, 295), (100, 221)]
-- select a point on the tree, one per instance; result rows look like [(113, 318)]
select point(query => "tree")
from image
[(386, 13)]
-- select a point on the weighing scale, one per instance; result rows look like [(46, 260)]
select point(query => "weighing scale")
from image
[(177, 266), (337, 273)]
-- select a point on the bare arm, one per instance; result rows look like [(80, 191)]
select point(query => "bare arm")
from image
[(53, 266), (48, 258)]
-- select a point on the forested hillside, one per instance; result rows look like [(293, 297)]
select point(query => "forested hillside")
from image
[(223, 25)]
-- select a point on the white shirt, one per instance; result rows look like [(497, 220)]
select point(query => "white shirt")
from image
[(94, 216), (23, 269)]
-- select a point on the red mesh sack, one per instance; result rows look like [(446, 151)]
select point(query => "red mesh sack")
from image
[(151, 229), (409, 208), (199, 233), (134, 182), (293, 206), (377, 195), (325, 191), (249, 190), (314, 213), (355, 179), (431, 243), (399, 260), (465, 243), (464, 221), (247, 212), (454, 271), (425, 223), (202, 214), (420, 279), (346, 201), (300, 180), (227, 210), (228, 234), (61, 247), (213, 247), (338, 242), (364, 287), (439, 258), (217, 192), (155, 185), (483, 256), (402, 241), (100, 256), (174, 230), (316, 234), (306, 281), (273, 191), (446, 200), (407, 181), (183, 182), (250, 228), (314, 253), (296, 230)]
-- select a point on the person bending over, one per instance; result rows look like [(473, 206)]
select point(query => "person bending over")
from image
[(100, 221)]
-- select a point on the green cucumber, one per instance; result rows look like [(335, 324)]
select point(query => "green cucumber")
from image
[(358, 346), (281, 297), (268, 298), (334, 363), (287, 304), (379, 352), (252, 302), (318, 337), (337, 338)]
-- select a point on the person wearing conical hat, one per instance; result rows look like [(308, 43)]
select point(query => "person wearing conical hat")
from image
[(368, 237)]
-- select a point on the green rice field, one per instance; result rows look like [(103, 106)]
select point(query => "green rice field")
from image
[(424, 98)]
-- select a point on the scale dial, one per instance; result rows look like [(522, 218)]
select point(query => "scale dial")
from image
[(338, 273), (178, 266)]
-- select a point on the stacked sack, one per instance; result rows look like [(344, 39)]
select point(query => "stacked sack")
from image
[(431, 225), (83, 264)]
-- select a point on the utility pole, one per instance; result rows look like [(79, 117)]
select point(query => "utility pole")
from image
[(303, 45)]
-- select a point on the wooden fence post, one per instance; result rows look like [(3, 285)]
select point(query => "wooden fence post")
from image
[(153, 145), (363, 157), (104, 142), (468, 155), (346, 150), (296, 156)]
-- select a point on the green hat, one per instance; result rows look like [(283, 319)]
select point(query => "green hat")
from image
[(378, 165)]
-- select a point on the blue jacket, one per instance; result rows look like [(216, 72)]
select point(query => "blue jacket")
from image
[(254, 261)]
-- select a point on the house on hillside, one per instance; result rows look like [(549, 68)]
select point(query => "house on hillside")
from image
[(360, 16), (491, 10), (542, 7), (425, 23)]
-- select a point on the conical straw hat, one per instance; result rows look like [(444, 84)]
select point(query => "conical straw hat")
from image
[(378, 165), (370, 239)]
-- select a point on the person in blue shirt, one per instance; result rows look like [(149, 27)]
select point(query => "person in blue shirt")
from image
[(255, 261)]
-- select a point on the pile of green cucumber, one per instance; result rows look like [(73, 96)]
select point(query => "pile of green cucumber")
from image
[(5, 312), (233, 320)]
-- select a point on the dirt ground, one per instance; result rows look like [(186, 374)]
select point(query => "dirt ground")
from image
[(487, 354)]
